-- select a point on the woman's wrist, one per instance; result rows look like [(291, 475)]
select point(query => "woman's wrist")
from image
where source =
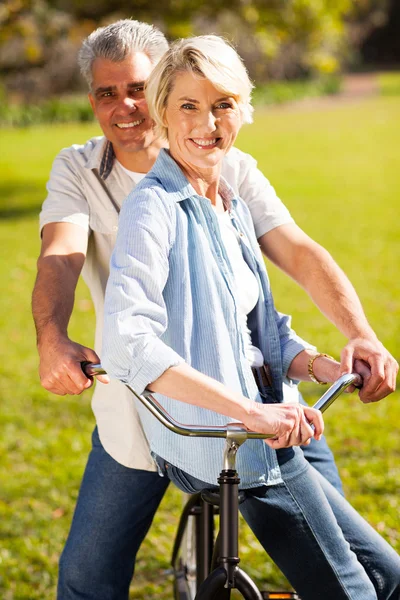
[(324, 368)]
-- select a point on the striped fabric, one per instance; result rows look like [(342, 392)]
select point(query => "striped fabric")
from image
[(170, 298)]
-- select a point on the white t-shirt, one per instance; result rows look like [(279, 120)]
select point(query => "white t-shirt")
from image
[(247, 291), (136, 177)]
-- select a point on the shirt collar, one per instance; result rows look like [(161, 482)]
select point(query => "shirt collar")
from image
[(165, 169), (168, 172), (102, 158)]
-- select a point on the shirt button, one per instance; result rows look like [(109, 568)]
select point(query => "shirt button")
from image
[(115, 227)]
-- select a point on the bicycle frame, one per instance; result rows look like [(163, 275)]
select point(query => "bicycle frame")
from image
[(217, 576)]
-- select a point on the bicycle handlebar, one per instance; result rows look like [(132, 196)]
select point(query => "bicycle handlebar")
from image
[(215, 431)]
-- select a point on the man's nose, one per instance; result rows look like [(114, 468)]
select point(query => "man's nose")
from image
[(128, 103)]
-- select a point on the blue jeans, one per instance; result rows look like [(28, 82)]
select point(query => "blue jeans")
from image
[(321, 544), (320, 456), (114, 511)]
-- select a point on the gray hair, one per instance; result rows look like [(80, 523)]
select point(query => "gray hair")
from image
[(207, 57), (117, 41)]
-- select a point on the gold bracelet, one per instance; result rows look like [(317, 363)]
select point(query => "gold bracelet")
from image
[(311, 369)]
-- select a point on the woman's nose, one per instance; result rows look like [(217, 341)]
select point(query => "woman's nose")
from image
[(208, 121)]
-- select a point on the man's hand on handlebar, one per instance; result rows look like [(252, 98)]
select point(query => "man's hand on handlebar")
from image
[(60, 367), (380, 381)]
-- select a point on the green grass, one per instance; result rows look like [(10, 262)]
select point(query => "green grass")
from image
[(389, 83), (339, 173)]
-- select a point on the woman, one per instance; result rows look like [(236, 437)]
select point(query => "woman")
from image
[(189, 314)]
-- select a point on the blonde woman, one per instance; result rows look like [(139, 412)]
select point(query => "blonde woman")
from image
[(189, 314)]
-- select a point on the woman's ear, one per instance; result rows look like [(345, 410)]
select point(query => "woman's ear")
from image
[(164, 118)]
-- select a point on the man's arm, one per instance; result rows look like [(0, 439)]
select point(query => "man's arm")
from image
[(315, 270), (59, 265), (312, 267)]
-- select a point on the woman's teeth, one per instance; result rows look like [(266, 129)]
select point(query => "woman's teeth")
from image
[(205, 142)]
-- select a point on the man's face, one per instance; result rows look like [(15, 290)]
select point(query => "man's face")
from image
[(118, 102)]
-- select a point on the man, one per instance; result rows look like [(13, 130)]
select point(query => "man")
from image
[(121, 489)]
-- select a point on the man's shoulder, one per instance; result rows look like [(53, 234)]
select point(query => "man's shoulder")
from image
[(236, 158), (81, 154)]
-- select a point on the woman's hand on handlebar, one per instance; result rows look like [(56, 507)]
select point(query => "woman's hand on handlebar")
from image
[(326, 369), (291, 423)]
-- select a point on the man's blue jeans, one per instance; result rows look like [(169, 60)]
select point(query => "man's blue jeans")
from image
[(114, 511), (115, 508), (320, 456)]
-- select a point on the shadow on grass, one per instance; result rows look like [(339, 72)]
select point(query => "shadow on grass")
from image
[(19, 199)]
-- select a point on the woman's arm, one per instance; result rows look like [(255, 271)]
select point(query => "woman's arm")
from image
[(324, 368), (290, 423), (135, 315)]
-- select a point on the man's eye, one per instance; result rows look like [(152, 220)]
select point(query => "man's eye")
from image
[(107, 95), (137, 90)]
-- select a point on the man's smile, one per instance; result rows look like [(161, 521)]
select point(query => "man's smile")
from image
[(130, 124)]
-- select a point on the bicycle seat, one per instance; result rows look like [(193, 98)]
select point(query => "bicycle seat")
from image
[(212, 497)]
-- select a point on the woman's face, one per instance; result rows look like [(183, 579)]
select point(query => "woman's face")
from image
[(202, 122)]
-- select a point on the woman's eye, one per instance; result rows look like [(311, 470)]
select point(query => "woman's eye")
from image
[(188, 106), (224, 105)]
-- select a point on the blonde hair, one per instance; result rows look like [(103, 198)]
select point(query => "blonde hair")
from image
[(207, 57)]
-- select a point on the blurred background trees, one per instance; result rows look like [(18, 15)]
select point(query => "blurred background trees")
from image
[(278, 39)]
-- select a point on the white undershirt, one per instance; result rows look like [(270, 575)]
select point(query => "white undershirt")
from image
[(247, 291), (136, 177)]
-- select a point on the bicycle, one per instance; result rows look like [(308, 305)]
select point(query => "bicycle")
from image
[(205, 566)]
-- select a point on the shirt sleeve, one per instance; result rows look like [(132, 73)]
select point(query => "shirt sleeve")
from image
[(135, 315), (65, 202), (267, 210), (291, 343)]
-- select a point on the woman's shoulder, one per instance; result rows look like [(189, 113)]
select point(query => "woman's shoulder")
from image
[(149, 191)]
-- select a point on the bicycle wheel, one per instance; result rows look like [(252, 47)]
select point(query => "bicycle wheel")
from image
[(184, 554), (193, 547), (189, 553)]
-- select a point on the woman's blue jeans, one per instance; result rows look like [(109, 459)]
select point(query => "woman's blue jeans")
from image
[(115, 508), (321, 544)]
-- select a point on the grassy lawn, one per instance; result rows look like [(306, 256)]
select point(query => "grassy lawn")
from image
[(338, 170)]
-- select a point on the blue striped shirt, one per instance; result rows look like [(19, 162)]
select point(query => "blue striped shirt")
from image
[(171, 298)]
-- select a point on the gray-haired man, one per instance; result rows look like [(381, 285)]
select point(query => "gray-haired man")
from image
[(121, 489)]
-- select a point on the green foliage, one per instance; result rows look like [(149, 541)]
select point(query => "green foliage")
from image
[(338, 171), (39, 39), (55, 110), (280, 92)]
